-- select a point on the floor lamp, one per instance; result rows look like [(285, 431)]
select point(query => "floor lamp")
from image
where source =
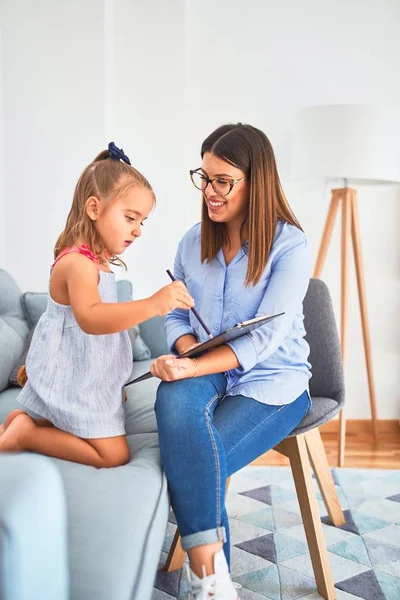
[(360, 144)]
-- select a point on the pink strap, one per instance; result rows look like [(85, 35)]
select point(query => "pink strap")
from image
[(84, 249)]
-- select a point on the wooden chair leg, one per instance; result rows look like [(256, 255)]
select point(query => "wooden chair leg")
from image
[(176, 555), (295, 448), (319, 462)]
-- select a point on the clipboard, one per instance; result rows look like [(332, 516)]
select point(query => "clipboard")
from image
[(226, 336)]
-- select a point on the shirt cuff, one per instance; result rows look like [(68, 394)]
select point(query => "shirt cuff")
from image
[(245, 351), (176, 332)]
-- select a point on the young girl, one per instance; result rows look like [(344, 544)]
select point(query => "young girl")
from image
[(81, 356)]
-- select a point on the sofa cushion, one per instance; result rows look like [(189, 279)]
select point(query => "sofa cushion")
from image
[(34, 304), (142, 395), (154, 336), (13, 327), (21, 361), (139, 348)]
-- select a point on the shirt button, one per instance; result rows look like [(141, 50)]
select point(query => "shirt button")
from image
[(216, 328)]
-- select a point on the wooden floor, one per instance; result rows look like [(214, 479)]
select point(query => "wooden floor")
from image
[(361, 451)]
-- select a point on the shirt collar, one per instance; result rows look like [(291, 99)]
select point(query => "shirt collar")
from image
[(241, 252)]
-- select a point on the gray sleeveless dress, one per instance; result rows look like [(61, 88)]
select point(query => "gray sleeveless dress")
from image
[(75, 379)]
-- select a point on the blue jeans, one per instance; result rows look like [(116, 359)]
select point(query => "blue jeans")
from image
[(205, 437)]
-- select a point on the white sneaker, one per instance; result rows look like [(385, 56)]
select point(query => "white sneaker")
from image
[(218, 586)]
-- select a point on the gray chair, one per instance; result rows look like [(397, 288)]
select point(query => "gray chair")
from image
[(304, 444)]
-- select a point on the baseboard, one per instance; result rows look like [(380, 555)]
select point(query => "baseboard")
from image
[(362, 426)]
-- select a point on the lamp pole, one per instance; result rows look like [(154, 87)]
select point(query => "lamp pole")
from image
[(347, 198)]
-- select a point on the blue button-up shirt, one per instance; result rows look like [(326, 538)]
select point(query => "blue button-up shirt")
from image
[(273, 366)]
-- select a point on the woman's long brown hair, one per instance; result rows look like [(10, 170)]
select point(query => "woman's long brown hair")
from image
[(248, 149)]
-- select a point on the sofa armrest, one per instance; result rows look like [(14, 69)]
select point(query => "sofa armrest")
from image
[(33, 530)]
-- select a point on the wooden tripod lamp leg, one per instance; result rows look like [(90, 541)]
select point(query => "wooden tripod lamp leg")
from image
[(355, 225), (338, 196), (346, 234), (350, 229), (327, 234)]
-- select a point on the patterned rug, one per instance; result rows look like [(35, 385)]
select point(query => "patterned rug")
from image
[(269, 551)]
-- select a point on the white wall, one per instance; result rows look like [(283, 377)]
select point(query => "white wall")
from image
[(259, 62), (77, 75), (53, 122), (149, 103), (157, 78)]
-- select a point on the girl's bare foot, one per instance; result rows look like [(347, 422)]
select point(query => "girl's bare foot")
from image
[(11, 440), (9, 419), (11, 416), (14, 413)]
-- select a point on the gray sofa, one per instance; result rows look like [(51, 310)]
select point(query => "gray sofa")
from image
[(108, 525)]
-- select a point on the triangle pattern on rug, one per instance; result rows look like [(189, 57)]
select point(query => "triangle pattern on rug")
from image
[(159, 595), (288, 547), (365, 586), (262, 494), (264, 582), (282, 494), (241, 531), (395, 498), (171, 518), (285, 518), (269, 551), (349, 525), (245, 562), (168, 582), (352, 548), (390, 585), (380, 553), (366, 523), (294, 585), (392, 568), (260, 518), (263, 546)]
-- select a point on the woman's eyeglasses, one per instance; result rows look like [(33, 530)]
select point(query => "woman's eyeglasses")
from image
[(221, 185)]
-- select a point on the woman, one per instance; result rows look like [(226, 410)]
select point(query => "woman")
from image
[(217, 413)]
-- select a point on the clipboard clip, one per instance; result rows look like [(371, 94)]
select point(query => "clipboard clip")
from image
[(253, 321)]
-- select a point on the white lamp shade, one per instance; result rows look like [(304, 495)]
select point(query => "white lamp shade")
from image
[(358, 143)]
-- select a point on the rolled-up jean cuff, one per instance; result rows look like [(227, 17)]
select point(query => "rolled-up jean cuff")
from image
[(210, 536)]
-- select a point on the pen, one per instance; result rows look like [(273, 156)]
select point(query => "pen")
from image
[(196, 314)]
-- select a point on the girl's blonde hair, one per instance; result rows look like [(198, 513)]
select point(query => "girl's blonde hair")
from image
[(107, 179)]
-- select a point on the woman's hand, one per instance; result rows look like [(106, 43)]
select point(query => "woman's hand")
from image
[(170, 368)]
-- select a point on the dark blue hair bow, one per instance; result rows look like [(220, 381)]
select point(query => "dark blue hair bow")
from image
[(117, 153)]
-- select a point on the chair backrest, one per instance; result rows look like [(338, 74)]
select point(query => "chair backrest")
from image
[(322, 335)]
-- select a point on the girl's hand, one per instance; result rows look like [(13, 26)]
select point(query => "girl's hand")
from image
[(171, 296), (170, 368)]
